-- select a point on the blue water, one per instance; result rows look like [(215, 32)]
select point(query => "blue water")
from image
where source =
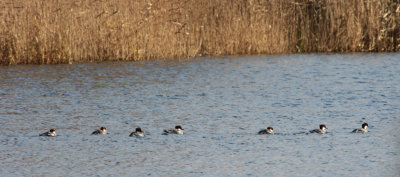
[(221, 103)]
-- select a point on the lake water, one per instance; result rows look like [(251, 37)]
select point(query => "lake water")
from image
[(221, 103)]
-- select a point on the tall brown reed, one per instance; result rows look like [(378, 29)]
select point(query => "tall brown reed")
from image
[(57, 31)]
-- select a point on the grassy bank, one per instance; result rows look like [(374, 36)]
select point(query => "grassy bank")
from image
[(58, 31)]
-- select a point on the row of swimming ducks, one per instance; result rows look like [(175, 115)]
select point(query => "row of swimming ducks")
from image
[(179, 130), (138, 132)]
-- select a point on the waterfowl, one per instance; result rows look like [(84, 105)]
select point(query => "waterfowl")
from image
[(52, 132), (137, 132), (269, 130), (102, 131), (178, 130), (321, 130), (363, 129)]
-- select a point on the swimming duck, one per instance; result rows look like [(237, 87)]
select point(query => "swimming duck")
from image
[(321, 130), (178, 130), (52, 132), (137, 132), (102, 131), (269, 130), (361, 130)]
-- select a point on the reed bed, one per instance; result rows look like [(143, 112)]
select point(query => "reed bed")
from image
[(58, 31)]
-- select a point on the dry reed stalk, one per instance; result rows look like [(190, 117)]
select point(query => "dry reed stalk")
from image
[(52, 32)]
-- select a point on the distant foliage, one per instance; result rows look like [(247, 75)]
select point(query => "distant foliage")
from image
[(52, 32)]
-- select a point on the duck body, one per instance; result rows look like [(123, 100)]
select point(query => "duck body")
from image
[(52, 132), (269, 130), (138, 132), (101, 131), (178, 130), (363, 129), (321, 130)]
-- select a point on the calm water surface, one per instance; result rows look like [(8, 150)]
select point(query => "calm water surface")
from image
[(220, 102)]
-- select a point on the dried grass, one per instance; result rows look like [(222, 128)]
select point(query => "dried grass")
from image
[(57, 31)]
